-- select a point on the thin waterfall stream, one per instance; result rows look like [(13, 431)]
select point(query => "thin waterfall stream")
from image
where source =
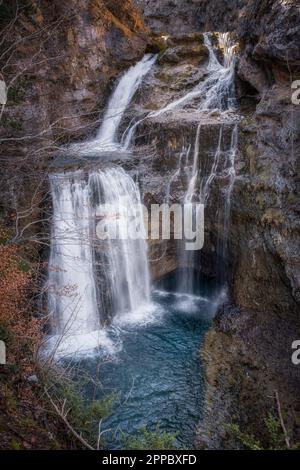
[(108, 316), (107, 139)]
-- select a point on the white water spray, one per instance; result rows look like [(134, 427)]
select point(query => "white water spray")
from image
[(74, 292), (217, 91), (121, 98), (107, 136)]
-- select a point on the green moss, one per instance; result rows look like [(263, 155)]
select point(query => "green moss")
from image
[(164, 77), (5, 333), (150, 440), (157, 45), (161, 52), (272, 216), (15, 125), (55, 445), (16, 445), (17, 93), (23, 266), (3, 239)]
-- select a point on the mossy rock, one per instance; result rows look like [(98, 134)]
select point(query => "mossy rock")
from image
[(156, 45), (272, 216)]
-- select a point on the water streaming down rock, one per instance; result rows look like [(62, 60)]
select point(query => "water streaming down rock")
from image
[(72, 290), (124, 260), (206, 181), (76, 300), (219, 87), (193, 179), (121, 98), (185, 283), (107, 136), (217, 91)]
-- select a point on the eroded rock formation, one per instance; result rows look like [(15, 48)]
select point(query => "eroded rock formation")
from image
[(248, 352)]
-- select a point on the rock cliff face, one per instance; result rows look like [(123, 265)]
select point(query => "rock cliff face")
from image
[(170, 16), (59, 61), (177, 16), (248, 352), (258, 331)]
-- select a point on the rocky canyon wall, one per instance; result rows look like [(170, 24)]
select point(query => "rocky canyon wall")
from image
[(59, 61), (257, 331), (60, 64), (182, 16), (248, 352)]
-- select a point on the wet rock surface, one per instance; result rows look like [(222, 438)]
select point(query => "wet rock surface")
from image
[(248, 352)]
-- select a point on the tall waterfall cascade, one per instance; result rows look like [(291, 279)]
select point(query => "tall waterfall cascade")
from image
[(76, 301), (125, 259), (217, 92), (72, 289), (91, 280)]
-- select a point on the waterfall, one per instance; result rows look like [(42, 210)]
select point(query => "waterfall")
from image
[(72, 291), (75, 298), (217, 91), (201, 179), (117, 200), (187, 257), (193, 180), (92, 279), (206, 182), (121, 98), (107, 136), (77, 303), (219, 87)]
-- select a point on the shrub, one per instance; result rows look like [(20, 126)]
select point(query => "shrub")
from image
[(275, 436), (150, 440)]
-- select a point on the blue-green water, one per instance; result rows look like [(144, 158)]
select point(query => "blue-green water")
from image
[(156, 368)]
